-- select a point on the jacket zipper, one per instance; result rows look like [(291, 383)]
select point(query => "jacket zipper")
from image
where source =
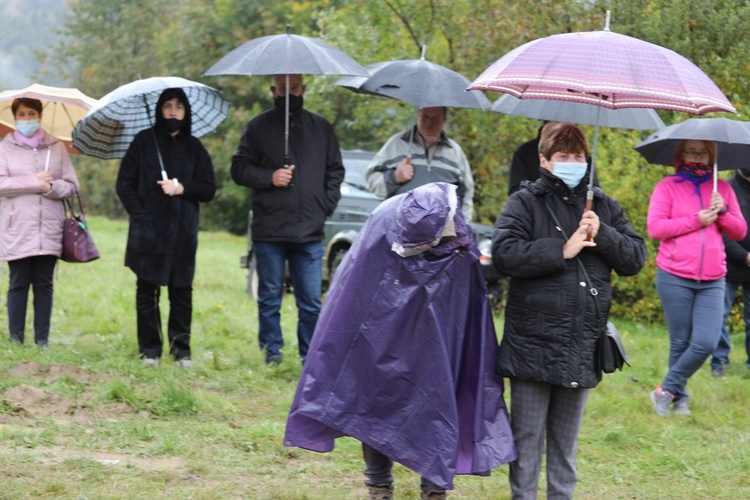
[(41, 207), (703, 241)]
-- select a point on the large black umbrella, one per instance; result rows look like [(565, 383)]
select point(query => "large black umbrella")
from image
[(732, 138), (286, 54)]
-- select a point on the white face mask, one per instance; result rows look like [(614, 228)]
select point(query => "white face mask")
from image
[(571, 173)]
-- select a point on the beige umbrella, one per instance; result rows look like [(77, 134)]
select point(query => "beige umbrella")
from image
[(62, 108)]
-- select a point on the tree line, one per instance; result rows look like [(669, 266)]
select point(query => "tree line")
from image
[(107, 43)]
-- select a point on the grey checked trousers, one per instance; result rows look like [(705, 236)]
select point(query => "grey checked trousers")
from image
[(539, 409)]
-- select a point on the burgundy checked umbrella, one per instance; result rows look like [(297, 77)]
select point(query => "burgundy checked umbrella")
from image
[(605, 69)]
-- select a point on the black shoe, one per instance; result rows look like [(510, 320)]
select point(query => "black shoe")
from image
[(273, 360), (380, 491)]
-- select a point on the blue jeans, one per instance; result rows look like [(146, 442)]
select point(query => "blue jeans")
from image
[(721, 354), (690, 308), (305, 269)]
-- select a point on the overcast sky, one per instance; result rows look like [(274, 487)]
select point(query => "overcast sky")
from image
[(27, 25)]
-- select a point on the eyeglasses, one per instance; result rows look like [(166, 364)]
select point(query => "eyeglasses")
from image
[(693, 155)]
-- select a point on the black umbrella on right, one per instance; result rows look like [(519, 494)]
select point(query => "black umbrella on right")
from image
[(732, 138)]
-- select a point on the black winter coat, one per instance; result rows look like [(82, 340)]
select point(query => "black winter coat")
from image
[(163, 234), (737, 268), (296, 213), (551, 324)]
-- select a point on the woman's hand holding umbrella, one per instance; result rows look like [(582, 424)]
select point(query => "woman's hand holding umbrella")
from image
[(171, 187), (588, 226)]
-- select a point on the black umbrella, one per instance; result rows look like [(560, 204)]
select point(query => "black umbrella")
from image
[(418, 82), (732, 138), (284, 55)]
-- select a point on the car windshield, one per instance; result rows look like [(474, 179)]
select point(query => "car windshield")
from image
[(355, 163)]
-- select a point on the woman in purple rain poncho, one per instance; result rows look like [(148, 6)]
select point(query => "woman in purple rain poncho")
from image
[(402, 357)]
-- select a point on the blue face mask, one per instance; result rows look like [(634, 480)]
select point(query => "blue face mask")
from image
[(571, 173), (27, 127)]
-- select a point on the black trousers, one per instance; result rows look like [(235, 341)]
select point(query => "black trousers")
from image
[(378, 470), (150, 338), (34, 271)]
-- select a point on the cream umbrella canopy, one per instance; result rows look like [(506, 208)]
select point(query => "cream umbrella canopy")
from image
[(62, 108)]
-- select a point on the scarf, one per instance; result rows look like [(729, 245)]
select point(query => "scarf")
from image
[(695, 173), (33, 142)]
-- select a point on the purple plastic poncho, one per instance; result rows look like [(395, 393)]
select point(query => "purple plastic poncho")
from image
[(403, 355)]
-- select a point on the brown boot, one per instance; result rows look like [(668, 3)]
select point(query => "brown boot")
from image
[(434, 495), (381, 491)]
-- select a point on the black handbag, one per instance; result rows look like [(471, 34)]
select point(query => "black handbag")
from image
[(610, 353)]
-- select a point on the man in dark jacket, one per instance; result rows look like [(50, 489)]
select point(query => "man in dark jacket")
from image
[(555, 311), (290, 205), (738, 275)]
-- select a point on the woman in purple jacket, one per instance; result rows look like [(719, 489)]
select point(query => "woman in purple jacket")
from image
[(35, 176), (689, 217)]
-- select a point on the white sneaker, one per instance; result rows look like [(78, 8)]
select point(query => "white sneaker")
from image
[(150, 362), (185, 363)]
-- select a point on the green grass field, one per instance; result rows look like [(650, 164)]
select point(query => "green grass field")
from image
[(86, 420)]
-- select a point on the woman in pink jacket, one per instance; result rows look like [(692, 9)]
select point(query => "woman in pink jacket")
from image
[(35, 175), (688, 216)]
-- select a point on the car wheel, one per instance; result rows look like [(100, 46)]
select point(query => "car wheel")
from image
[(252, 279), (336, 262), (495, 295)]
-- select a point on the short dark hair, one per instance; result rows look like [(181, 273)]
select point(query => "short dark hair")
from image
[(562, 136), (34, 104), (444, 108)]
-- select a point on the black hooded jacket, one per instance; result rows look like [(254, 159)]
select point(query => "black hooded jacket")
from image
[(163, 233), (295, 213), (737, 268), (551, 324)]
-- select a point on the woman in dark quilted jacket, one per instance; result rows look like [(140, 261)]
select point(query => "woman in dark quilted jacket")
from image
[(552, 318)]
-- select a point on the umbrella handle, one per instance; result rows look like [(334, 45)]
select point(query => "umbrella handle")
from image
[(287, 163), (589, 206)]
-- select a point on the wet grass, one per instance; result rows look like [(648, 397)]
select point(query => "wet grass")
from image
[(216, 431)]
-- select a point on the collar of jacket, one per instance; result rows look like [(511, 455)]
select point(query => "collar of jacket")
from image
[(48, 141), (407, 137)]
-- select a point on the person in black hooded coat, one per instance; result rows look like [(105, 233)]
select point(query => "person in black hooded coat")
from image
[(163, 234), (551, 319)]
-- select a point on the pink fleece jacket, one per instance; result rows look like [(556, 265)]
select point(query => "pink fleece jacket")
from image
[(688, 249)]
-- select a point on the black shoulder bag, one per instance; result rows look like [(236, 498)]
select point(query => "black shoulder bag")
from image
[(610, 353)]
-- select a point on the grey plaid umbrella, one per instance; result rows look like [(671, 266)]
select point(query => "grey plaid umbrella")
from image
[(109, 127)]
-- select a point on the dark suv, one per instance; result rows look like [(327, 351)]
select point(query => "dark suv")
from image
[(354, 207)]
